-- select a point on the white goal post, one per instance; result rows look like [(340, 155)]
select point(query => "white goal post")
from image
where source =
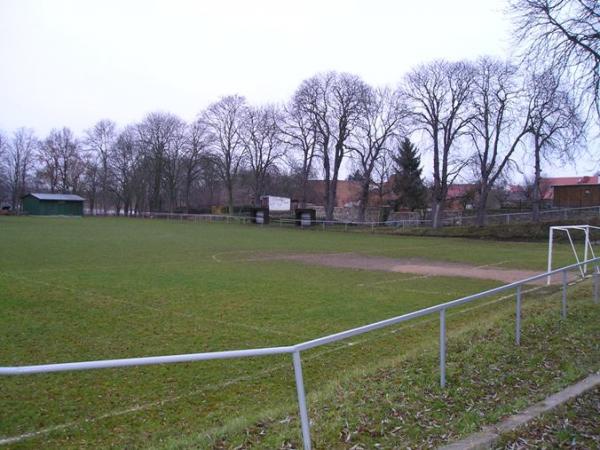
[(588, 249)]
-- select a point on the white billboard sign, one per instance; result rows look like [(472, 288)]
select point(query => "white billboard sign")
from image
[(278, 203)]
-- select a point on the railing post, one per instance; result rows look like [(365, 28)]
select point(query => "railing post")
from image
[(549, 280), (443, 348), (518, 321), (304, 421), (564, 295), (585, 250), (596, 285)]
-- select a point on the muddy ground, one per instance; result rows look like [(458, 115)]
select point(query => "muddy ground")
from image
[(410, 265)]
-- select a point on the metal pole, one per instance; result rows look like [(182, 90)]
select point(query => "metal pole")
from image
[(518, 323), (564, 294), (302, 401), (443, 348), (596, 286), (585, 251), (550, 254)]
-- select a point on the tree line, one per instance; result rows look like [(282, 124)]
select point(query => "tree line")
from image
[(473, 116)]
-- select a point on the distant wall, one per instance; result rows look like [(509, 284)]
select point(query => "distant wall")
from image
[(348, 213)]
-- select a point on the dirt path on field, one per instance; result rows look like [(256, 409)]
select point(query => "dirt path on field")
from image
[(411, 265)]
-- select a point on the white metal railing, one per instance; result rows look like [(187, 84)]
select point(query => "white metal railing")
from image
[(458, 220), (295, 350)]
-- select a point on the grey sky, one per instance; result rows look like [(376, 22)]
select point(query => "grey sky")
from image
[(74, 62)]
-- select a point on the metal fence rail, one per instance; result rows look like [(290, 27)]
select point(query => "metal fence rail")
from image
[(455, 221), (295, 350)]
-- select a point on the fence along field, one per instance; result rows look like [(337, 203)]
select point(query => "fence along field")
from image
[(556, 214), (94, 289)]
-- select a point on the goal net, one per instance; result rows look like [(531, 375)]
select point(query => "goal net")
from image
[(580, 238)]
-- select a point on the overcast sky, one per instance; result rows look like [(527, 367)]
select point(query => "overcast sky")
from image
[(71, 63)]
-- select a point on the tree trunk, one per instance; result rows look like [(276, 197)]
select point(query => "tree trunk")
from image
[(258, 190), (304, 192), (364, 201), (15, 187), (331, 189), (482, 205), (230, 196), (187, 198), (436, 214), (537, 195), (155, 199)]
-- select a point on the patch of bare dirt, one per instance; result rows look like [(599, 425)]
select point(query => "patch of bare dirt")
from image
[(411, 265)]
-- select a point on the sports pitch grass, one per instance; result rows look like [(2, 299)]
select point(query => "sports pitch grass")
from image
[(84, 289)]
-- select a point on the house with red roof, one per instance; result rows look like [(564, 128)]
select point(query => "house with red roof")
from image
[(547, 184), (573, 192)]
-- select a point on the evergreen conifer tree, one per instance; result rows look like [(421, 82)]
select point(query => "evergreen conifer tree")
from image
[(408, 182)]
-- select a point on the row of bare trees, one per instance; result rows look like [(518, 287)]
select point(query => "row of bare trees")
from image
[(474, 116)]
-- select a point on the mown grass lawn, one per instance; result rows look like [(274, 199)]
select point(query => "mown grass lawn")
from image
[(80, 289)]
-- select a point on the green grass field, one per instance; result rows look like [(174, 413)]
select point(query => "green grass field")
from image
[(83, 289)]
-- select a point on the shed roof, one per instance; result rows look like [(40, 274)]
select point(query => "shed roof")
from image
[(577, 185), (61, 197)]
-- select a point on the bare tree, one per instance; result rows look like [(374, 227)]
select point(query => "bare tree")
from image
[(91, 180), (174, 164), (439, 94), (262, 147), (335, 102), (209, 178), (224, 120), (379, 123), (157, 133), (197, 141), (299, 134), (563, 36), (3, 168), (555, 128), (382, 172), (3, 144), (499, 124), (124, 166), (99, 141), (19, 162), (62, 165)]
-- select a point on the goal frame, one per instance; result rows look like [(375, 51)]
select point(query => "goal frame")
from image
[(587, 248)]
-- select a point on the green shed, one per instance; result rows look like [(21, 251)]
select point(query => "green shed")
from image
[(38, 204)]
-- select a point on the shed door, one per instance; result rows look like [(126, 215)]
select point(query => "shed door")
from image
[(590, 196)]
